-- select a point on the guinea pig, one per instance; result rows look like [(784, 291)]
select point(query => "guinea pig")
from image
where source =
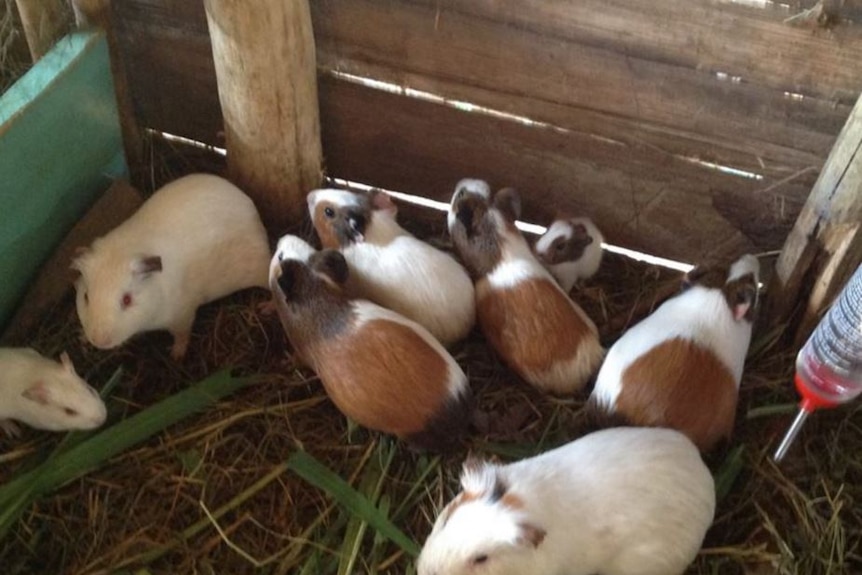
[(531, 323), (622, 501), (391, 267), (45, 394), (380, 369), (571, 249), (681, 366), (197, 239)]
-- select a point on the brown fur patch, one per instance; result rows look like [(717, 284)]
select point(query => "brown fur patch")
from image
[(570, 249), (742, 292), (384, 376), (682, 385), (532, 325), (324, 226), (512, 501)]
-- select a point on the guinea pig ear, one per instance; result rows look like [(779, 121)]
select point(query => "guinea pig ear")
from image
[(37, 392), (530, 535), (693, 276), (143, 266), (380, 200), (67, 363), (508, 201), (331, 264)]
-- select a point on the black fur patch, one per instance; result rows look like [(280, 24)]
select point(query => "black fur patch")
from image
[(475, 235), (444, 431)]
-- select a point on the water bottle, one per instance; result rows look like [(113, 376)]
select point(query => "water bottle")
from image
[(829, 365)]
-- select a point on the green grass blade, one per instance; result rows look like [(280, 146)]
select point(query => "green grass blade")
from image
[(84, 457), (322, 477), (729, 471)]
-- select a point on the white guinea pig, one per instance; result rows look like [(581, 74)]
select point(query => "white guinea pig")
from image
[(623, 501), (571, 249), (391, 267), (195, 240), (45, 394), (381, 369), (531, 323), (681, 366)]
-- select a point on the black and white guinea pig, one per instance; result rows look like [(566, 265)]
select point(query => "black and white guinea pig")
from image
[(197, 239), (382, 370), (44, 394), (681, 366), (571, 249), (530, 322), (622, 501), (391, 267)]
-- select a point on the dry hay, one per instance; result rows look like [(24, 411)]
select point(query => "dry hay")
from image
[(802, 517)]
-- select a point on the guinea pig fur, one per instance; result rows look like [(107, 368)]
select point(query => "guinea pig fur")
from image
[(391, 267), (45, 394), (681, 366), (531, 323), (571, 249), (197, 239), (381, 369), (622, 501)]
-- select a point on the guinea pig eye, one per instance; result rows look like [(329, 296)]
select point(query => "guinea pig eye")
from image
[(560, 247), (127, 300), (479, 559), (329, 212), (70, 412)]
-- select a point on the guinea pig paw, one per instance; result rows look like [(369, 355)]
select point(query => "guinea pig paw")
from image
[(11, 428)]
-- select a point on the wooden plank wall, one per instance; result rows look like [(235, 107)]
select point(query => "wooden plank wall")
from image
[(611, 108)]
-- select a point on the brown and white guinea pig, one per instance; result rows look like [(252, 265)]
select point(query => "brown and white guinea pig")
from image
[(622, 501), (197, 239), (571, 249), (45, 394), (391, 267), (531, 323), (681, 366), (382, 370)]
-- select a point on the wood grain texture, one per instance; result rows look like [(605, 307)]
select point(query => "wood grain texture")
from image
[(623, 90), (640, 198), (267, 85), (824, 247), (44, 22)]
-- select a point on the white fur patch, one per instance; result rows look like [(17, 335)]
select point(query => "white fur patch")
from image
[(700, 315), (367, 311), (336, 197), (560, 228), (747, 264)]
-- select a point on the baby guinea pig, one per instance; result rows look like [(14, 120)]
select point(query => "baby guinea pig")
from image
[(197, 239), (622, 501), (45, 394), (381, 369), (681, 366), (391, 267), (571, 249), (530, 322)]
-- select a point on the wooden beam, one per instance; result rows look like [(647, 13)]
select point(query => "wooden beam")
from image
[(44, 22), (825, 246), (267, 82)]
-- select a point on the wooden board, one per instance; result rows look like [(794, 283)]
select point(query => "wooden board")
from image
[(651, 82), (59, 148), (649, 201)]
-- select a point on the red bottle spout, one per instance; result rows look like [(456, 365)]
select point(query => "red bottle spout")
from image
[(811, 400)]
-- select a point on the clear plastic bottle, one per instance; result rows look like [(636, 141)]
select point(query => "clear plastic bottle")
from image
[(829, 365)]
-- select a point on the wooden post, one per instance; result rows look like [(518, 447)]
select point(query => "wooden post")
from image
[(825, 246), (99, 14), (267, 81), (44, 22)]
